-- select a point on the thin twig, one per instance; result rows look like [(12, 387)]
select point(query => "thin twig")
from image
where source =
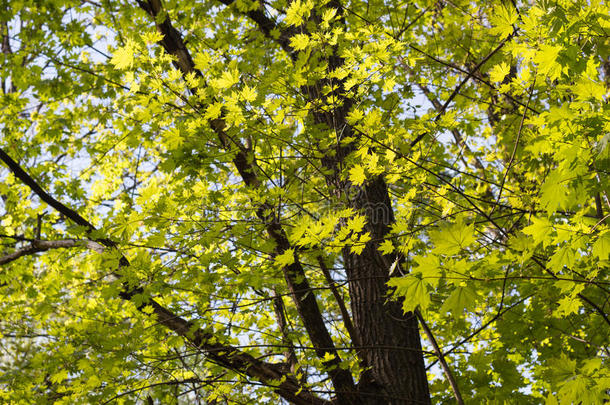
[(455, 92), (441, 359), (514, 152)]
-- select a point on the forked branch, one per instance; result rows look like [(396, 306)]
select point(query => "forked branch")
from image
[(225, 355)]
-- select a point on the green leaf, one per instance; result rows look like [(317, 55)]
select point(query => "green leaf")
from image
[(586, 89), (414, 291), (248, 94), (502, 20), (123, 57), (386, 247), (462, 298), (554, 192), (357, 175), (551, 400), (299, 42), (499, 72), (429, 268), (540, 230), (601, 247), (59, 377), (297, 12), (227, 80), (451, 239), (568, 305), (286, 258), (564, 256), (546, 58)]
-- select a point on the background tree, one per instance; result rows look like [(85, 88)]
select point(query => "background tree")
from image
[(261, 201)]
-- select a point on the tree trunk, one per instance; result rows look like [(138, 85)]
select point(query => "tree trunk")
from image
[(391, 347)]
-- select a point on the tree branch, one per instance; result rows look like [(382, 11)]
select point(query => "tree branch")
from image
[(469, 75), (441, 359), (459, 140), (294, 274), (347, 320), (227, 356), (37, 246), (514, 152), (280, 316), (266, 25)]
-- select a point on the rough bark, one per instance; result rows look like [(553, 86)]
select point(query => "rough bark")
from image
[(390, 340)]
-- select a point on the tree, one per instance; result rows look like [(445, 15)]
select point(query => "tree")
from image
[(237, 201)]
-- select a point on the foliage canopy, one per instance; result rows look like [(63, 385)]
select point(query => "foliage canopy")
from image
[(238, 201)]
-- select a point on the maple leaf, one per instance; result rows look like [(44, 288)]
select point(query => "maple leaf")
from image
[(601, 247), (499, 72), (123, 57), (451, 239), (414, 290), (299, 41), (540, 229), (461, 298), (357, 175)]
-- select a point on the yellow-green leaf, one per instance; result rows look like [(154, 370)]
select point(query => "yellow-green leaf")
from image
[(414, 291), (453, 238), (357, 175), (299, 41), (499, 72), (285, 259)]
